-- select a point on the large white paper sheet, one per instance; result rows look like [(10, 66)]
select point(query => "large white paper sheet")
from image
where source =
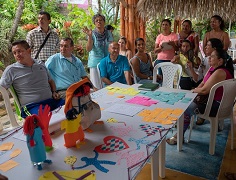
[(124, 109)]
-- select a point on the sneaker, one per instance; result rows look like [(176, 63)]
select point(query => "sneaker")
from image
[(200, 121)]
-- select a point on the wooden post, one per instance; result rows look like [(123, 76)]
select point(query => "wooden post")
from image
[(131, 24), (122, 20)]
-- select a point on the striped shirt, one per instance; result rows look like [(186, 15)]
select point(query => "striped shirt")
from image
[(36, 37)]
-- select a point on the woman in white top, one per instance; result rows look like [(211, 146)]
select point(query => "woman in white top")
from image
[(123, 48)]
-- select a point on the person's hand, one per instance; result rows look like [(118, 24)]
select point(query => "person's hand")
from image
[(55, 95), (172, 43), (87, 31), (190, 64)]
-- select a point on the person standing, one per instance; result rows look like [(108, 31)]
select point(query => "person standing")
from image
[(97, 46), (187, 33), (166, 44), (64, 68), (43, 41), (217, 31)]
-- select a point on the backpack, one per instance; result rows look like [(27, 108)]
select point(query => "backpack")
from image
[(78, 99)]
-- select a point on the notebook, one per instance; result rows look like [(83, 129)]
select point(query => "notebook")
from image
[(148, 87)]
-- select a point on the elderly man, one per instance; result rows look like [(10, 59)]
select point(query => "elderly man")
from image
[(30, 81), (43, 41), (64, 68), (114, 67)]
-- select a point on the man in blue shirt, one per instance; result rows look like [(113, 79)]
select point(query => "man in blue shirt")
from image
[(64, 68), (114, 67)]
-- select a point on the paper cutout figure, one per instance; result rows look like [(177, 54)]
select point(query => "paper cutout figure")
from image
[(34, 137), (113, 120), (45, 116), (131, 159), (74, 135), (74, 174), (111, 144), (95, 162), (140, 141), (148, 129), (6, 146), (70, 160)]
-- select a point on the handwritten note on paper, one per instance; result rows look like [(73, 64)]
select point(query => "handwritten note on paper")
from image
[(124, 109)]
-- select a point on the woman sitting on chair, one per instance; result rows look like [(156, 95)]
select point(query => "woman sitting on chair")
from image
[(221, 69), (141, 63), (123, 50), (189, 64)]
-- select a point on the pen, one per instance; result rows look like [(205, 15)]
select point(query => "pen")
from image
[(86, 175)]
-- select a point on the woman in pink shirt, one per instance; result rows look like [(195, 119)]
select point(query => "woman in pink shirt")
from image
[(166, 43), (221, 68)]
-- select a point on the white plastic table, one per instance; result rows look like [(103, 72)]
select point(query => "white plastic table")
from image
[(140, 149)]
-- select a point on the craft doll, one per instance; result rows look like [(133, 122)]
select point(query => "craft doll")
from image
[(33, 130)]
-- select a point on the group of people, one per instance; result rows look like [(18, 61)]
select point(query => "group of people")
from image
[(45, 66)]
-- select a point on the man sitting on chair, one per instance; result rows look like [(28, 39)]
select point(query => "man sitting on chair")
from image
[(114, 67), (64, 68), (30, 80)]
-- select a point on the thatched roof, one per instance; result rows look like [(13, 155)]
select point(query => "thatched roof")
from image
[(199, 9)]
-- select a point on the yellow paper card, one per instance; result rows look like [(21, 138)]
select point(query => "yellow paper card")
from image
[(6, 146), (15, 153), (8, 165), (73, 174)]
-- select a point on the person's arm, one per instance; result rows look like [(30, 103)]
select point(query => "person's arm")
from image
[(89, 44), (192, 71), (226, 41), (52, 84), (128, 77), (196, 45), (175, 59), (157, 48), (218, 76), (129, 54), (205, 42), (106, 81)]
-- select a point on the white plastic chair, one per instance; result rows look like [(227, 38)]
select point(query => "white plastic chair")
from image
[(99, 77), (9, 110), (169, 70), (225, 111), (134, 75)]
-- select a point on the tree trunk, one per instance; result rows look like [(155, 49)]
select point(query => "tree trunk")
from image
[(99, 7), (10, 36), (117, 13), (19, 12)]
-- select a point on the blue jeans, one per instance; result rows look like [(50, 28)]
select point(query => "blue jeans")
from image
[(33, 108)]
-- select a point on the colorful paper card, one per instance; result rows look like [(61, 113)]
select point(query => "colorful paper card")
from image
[(8, 165)]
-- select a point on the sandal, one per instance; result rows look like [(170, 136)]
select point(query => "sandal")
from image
[(200, 121), (172, 140), (230, 176)]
